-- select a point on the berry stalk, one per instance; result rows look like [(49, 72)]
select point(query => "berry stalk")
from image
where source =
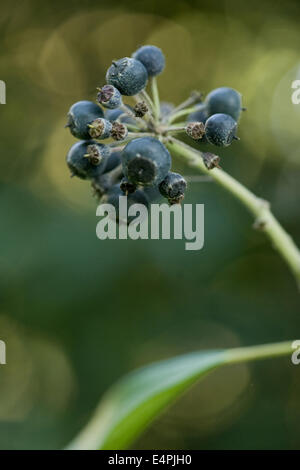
[(184, 112), (174, 129), (260, 209), (129, 113), (156, 101), (144, 96), (258, 352), (196, 97), (136, 135), (130, 127)]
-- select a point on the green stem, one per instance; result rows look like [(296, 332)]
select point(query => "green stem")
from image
[(174, 129), (260, 209), (195, 98), (172, 117), (155, 95), (197, 178), (178, 124), (261, 351), (144, 96), (130, 127), (128, 112), (117, 143), (136, 135)]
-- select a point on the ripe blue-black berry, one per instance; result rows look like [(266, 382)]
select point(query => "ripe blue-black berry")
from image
[(146, 161), (152, 193), (101, 184), (113, 161), (200, 115), (173, 187), (220, 129), (112, 197), (224, 100), (112, 175), (100, 128), (152, 58), (87, 159), (128, 75), (109, 96), (80, 115), (114, 114)]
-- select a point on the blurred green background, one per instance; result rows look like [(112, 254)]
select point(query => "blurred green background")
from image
[(76, 312)]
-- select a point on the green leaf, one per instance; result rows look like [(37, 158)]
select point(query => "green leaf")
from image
[(132, 403)]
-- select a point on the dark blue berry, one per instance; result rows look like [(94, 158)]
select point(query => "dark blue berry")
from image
[(152, 193), (80, 115), (101, 184), (146, 161), (112, 197), (100, 128), (152, 58), (128, 75), (113, 161), (224, 100), (112, 175), (109, 97), (173, 187), (114, 114), (220, 129), (87, 159), (200, 115)]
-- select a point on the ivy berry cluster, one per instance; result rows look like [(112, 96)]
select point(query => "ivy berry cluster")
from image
[(135, 161)]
